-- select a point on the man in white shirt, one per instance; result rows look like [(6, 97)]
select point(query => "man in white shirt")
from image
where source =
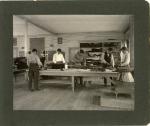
[(58, 57), (33, 62)]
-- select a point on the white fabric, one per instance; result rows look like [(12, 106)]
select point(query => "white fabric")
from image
[(121, 56), (58, 58), (126, 77), (112, 60), (125, 59)]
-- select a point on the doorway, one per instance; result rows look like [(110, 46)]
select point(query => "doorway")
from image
[(37, 43)]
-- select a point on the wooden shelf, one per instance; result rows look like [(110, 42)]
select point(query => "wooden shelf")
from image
[(55, 81), (102, 46)]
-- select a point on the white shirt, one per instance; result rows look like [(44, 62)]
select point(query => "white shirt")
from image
[(33, 58), (58, 58), (125, 58), (112, 61)]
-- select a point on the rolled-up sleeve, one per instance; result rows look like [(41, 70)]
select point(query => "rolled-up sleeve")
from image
[(38, 61)]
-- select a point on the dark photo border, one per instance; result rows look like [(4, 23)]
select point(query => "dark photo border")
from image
[(139, 9)]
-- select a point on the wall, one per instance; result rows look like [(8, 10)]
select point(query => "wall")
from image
[(23, 31), (68, 40), (20, 45), (129, 35), (74, 40), (20, 29), (26, 30)]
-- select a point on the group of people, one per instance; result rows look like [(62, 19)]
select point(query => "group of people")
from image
[(108, 59), (34, 63)]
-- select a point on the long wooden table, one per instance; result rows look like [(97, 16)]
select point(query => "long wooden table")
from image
[(77, 73)]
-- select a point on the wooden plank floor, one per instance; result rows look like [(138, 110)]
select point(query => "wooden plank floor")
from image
[(56, 97)]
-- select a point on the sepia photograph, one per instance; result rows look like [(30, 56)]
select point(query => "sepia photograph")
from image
[(73, 62)]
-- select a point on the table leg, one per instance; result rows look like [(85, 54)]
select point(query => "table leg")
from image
[(27, 75), (105, 81), (81, 81), (72, 78)]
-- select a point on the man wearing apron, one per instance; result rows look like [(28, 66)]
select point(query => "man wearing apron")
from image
[(109, 62), (34, 63)]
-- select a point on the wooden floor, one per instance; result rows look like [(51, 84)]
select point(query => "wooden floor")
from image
[(57, 97)]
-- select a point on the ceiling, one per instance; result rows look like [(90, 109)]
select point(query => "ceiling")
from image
[(77, 23)]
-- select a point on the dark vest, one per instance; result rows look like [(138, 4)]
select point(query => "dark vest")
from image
[(107, 57)]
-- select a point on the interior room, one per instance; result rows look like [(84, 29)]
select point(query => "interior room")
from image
[(88, 75)]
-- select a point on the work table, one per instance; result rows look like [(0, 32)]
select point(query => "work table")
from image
[(73, 73)]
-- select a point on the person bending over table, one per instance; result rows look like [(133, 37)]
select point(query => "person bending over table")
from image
[(33, 62), (108, 61), (79, 58)]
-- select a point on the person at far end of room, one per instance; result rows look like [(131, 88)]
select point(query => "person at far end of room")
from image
[(43, 57), (108, 62), (34, 63), (125, 75), (108, 58), (79, 58), (58, 57)]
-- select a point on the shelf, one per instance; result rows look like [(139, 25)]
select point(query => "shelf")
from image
[(99, 48), (55, 81)]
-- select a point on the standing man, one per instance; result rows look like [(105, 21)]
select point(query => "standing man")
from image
[(109, 58), (109, 62), (58, 57), (43, 57), (34, 63)]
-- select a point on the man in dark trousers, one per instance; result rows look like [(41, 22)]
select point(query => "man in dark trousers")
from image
[(109, 62), (34, 63)]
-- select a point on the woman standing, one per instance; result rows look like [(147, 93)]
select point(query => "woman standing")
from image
[(126, 75)]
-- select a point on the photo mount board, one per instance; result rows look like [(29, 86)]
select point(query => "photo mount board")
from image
[(139, 9)]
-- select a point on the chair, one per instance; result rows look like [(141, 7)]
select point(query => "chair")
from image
[(124, 88)]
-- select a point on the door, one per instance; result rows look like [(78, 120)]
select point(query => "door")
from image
[(37, 43)]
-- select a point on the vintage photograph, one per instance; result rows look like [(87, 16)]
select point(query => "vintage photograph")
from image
[(73, 62)]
